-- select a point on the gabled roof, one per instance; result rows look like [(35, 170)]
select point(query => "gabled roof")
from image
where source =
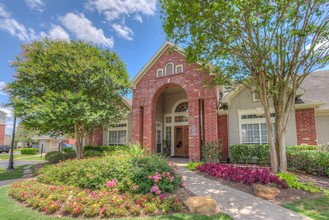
[(127, 102), (153, 59)]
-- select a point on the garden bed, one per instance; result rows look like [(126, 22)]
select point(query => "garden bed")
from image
[(286, 195)]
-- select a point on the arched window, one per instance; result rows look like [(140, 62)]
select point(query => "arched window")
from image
[(169, 69), (183, 107)]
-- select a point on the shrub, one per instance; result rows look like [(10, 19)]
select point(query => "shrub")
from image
[(312, 162), (29, 151), (250, 153), (55, 156), (131, 173), (302, 147), (91, 153), (68, 149), (293, 182), (102, 148), (212, 151), (193, 165), (109, 203), (247, 175), (324, 147)]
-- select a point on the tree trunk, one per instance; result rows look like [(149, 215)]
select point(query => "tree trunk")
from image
[(90, 136), (271, 141), (79, 133)]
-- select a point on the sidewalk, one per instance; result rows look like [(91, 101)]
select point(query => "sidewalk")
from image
[(237, 204)]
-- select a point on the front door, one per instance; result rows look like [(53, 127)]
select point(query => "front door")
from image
[(181, 141)]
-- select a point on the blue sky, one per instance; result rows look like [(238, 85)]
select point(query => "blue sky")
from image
[(130, 28)]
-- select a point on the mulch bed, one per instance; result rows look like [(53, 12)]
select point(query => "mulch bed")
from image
[(286, 195)]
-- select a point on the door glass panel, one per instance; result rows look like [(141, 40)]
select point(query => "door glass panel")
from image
[(159, 141)]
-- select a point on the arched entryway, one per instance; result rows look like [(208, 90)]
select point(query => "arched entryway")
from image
[(172, 121)]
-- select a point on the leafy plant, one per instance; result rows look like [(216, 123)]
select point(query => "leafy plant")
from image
[(302, 147), (29, 151), (135, 150), (250, 153), (193, 165), (212, 151), (293, 182), (247, 175)]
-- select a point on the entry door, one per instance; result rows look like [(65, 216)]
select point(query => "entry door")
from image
[(181, 141)]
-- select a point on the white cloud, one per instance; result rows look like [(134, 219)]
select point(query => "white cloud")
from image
[(7, 111), (138, 18), (10, 25), (84, 29), (35, 5), (114, 9), (2, 87), (58, 33), (123, 31)]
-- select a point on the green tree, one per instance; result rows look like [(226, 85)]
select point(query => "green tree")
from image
[(24, 134), (68, 88), (273, 44)]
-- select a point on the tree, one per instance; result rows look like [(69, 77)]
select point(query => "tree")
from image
[(68, 88), (24, 134), (273, 44)]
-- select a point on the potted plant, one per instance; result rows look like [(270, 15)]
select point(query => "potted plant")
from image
[(166, 147)]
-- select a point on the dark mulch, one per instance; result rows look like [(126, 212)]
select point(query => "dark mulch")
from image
[(286, 195)]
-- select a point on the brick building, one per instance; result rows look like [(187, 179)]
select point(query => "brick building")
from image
[(2, 127), (172, 105)]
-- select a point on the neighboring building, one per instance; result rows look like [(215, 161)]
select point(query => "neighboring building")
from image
[(2, 127), (171, 102), (7, 140)]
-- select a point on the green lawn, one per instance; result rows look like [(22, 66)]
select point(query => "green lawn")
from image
[(314, 208), (11, 210), (21, 157), (14, 174)]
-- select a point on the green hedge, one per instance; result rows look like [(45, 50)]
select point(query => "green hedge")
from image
[(29, 151), (312, 162), (250, 153), (55, 156), (302, 147)]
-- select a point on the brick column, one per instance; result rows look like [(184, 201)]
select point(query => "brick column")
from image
[(2, 133), (210, 119), (223, 134), (98, 137), (305, 126), (194, 133)]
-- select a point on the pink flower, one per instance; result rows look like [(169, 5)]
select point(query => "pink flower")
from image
[(158, 192), (154, 189), (162, 196), (134, 187), (111, 183)]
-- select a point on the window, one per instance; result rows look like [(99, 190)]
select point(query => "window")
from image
[(179, 69), (159, 137), (183, 107), (181, 118), (254, 133), (168, 119), (159, 72), (255, 96), (169, 69), (168, 136), (118, 133)]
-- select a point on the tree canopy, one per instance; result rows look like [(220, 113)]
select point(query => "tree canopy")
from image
[(273, 43), (67, 87)]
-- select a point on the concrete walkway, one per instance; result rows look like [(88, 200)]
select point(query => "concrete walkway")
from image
[(237, 204), (5, 183)]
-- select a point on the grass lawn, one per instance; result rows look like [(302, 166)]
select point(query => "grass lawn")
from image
[(14, 174), (11, 210), (21, 157), (314, 208)]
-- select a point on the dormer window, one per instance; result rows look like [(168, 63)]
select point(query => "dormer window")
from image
[(160, 73), (179, 69), (169, 69)]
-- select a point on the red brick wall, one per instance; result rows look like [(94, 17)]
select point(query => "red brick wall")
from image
[(223, 134), (149, 88), (2, 133), (305, 126), (98, 138)]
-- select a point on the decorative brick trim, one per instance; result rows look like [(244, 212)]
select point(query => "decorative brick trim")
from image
[(306, 126), (223, 134)]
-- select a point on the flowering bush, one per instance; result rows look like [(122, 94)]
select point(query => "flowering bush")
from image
[(76, 202), (130, 173), (247, 175)]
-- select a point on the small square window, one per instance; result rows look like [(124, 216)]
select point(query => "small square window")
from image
[(179, 69), (159, 72)]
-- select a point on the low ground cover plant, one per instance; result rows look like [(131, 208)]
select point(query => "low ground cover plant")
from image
[(247, 175), (293, 182), (29, 151), (76, 202), (136, 174), (193, 165)]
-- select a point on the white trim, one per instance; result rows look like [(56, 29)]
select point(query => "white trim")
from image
[(173, 69), (158, 70), (321, 112), (177, 66), (309, 105)]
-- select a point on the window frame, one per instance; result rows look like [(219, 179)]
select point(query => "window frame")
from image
[(117, 129), (160, 70), (173, 69), (177, 66)]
